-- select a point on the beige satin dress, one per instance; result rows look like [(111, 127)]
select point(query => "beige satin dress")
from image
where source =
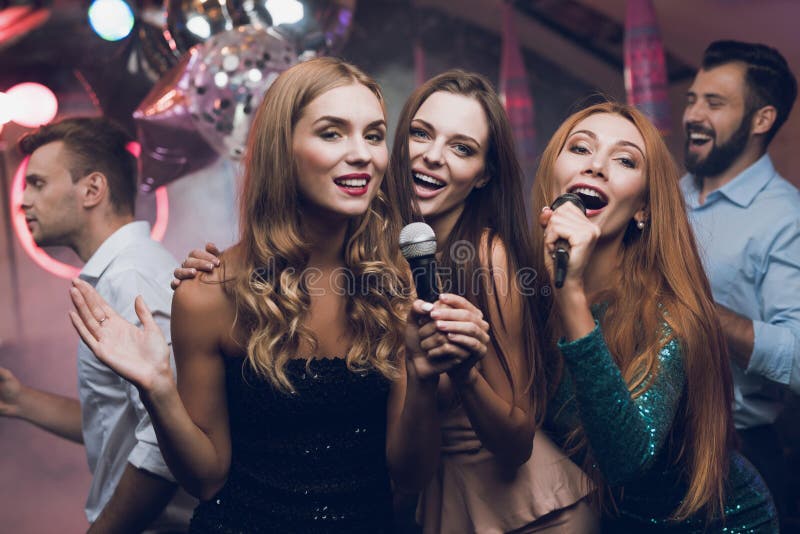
[(472, 492)]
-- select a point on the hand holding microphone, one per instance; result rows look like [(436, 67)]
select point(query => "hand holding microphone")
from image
[(445, 333), (566, 228)]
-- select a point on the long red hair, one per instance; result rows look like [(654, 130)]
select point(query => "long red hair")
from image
[(664, 281)]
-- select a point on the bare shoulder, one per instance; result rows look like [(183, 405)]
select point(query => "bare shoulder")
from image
[(205, 302), (505, 303), (492, 253), (210, 290)]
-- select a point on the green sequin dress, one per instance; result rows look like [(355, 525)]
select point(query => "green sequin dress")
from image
[(630, 440)]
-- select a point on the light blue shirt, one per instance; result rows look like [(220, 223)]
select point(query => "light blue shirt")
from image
[(748, 233)]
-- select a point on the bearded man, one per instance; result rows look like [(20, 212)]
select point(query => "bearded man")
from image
[(746, 219)]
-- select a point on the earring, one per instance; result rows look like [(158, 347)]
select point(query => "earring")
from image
[(640, 225)]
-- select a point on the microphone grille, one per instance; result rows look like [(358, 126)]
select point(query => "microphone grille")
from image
[(569, 197), (416, 240)]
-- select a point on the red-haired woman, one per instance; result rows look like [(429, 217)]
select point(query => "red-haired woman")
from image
[(644, 385)]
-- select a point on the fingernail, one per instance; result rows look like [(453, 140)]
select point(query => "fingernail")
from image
[(216, 262), (211, 265), (427, 307)]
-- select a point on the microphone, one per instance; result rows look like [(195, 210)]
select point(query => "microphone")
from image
[(418, 246), (562, 245)]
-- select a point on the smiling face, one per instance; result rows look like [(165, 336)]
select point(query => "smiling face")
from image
[(448, 142), (339, 148), (716, 119), (603, 162)]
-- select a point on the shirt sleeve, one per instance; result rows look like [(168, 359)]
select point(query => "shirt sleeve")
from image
[(126, 286), (625, 433), (776, 346)]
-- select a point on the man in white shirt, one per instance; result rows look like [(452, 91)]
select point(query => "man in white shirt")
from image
[(80, 192)]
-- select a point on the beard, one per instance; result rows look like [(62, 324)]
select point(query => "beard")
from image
[(720, 157)]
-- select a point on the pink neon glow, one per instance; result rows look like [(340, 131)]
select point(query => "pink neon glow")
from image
[(33, 104), (134, 148), (162, 214), (42, 258), (6, 112)]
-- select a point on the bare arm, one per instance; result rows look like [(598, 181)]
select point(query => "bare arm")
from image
[(190, 418), (53, 413), (413, 436), (501, 417), (138, 499)]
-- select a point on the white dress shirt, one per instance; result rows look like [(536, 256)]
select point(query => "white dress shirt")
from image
[(116, 426)]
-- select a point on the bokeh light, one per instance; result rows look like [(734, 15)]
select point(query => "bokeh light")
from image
[(285, 11), (111, 19), (32, 104)]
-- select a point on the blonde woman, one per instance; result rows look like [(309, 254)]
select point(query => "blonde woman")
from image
[(294, 387)]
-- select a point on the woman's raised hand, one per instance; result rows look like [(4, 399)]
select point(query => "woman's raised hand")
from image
[(198, 260), (568, 222), (139, 355)]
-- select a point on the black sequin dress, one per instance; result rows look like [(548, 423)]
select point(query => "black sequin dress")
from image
[(311, 461)]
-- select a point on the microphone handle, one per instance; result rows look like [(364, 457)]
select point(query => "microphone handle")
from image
[(424, 271), (562, 259)]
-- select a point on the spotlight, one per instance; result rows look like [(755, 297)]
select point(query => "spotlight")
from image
[(31, 104), (199, 26), (285, 11), (111, 19)]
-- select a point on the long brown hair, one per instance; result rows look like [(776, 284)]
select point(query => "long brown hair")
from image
[(271, 294), (664, 282), (494, 211)]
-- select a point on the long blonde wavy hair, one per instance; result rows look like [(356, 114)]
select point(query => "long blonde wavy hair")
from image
[(664, 281), (270, 291)]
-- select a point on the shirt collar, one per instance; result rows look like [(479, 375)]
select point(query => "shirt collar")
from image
[(111, 247), (742, 190)]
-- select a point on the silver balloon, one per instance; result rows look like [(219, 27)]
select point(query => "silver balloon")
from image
[(228, 76), (190, 22), (254, 12)]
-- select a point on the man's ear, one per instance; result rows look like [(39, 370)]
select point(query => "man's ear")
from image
[(96, 189), (763, 119)]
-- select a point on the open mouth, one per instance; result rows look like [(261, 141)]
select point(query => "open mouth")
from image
[(427, 182), (352, 183), (592, 198), (699, 139)]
